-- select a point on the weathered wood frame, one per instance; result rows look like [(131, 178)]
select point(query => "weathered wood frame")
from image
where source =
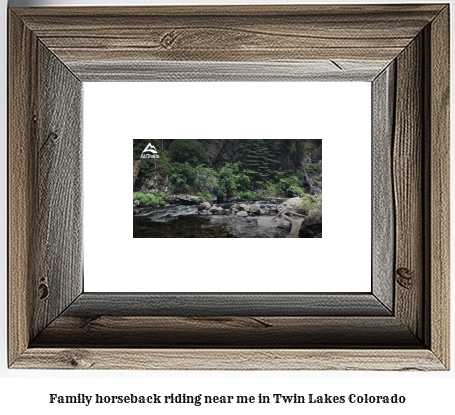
[(403, 50)]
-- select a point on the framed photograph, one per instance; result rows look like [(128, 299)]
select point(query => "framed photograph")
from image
[(252, 311)]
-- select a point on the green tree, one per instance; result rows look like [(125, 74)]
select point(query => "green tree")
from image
[(253, 156), (231, 179), (186, 176), (226, 183), (191, 151)]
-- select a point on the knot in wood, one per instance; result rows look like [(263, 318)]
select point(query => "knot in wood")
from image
[(168, 39), (77, 359), (43, 291), (53, 136), (405, 278)]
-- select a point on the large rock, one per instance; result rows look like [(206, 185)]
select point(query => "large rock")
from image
[(242, 213), (294, 204), (204, 206), (299, 205), (245, 207), (185, 200), (213, 209), (312, 226), (255, 209)]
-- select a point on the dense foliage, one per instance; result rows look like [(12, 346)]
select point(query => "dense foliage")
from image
[(147, 198), (245, 169)]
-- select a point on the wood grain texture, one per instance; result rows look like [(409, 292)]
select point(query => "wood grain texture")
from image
[(383, 215), (213, 305), (58, 215), (308, 71), (215, 44), (438, 170), (22, 95), (230, 359), (408, 188), (257, 332), (228, 34)]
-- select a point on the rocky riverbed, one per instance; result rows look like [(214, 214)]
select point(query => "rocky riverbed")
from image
[(225, 220), (191, 217)]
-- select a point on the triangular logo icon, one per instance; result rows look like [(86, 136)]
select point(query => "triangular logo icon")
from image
[(150, 149)]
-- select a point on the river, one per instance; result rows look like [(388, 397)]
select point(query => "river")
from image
[(182, 221)]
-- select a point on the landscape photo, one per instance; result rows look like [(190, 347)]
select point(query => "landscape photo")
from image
[(213, 188)]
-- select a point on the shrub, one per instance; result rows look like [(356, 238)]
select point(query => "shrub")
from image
[(309, 201), (245, 195), (296, 190), (230, 179), (181, 174), (206, 196), (272, 190), (227, 182), (313, 167), (291, 185), (186, 176), (146, 198)]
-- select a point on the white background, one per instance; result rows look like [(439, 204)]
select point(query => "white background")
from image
[(27, 391), (336, 112)]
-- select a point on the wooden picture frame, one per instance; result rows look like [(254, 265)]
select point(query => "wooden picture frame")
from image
[(403, 324)]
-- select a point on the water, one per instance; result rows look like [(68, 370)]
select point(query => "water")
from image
[(180, 221)]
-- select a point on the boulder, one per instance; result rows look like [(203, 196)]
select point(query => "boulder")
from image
[(242, 213), (213, 209), (136, 203), (254, 209), (185, 200), (312, 225), (245, 207), (235, 206), (204, 206), (296, 204), (168, 205)]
